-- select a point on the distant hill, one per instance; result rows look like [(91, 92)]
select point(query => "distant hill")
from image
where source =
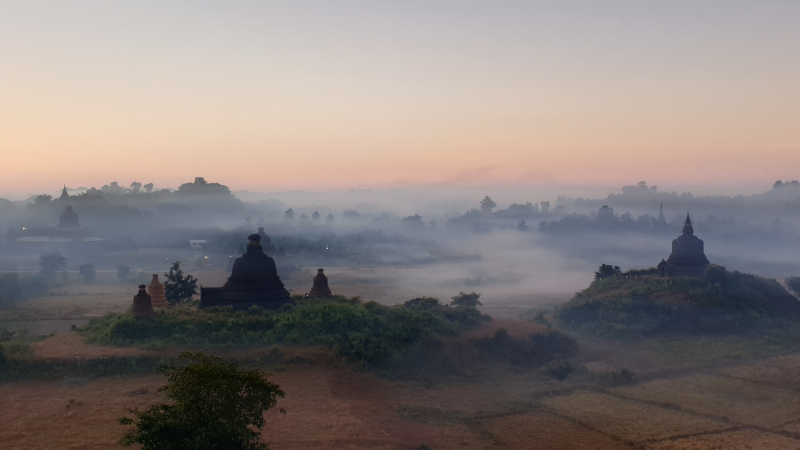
[(723, 301)]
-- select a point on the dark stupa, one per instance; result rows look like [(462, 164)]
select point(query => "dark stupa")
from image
[(142, 304), (320, 288), (688, 258), (266, 242), (68, 221), (254, 281)]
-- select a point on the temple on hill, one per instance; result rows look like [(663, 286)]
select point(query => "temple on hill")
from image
[(254, 281), (68, 229), (688, 258)]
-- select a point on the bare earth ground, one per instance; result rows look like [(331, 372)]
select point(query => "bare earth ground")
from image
[(698, 395)]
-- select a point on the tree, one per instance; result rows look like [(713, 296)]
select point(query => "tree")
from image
[(606, 271), (179, 287), (523, 226), (351, 214), (87, 272), (136, 186), (123, 272), (200, 181), (50, 264), (148, 187), (315, 217), (794, 284), (42, 200), (304, 216), (487, 204), (329, 219), (213, 405), (289, 214), (470, 300)]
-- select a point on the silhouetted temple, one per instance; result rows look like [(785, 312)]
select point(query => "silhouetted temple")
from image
[(142, 306), (320, 288), (688, 258), (254, 281), (266, 242)]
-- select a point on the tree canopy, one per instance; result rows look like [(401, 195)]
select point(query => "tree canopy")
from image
[(607, 271), (214, 405), (179, 287)]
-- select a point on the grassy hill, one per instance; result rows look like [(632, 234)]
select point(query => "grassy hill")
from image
[(722, 301)]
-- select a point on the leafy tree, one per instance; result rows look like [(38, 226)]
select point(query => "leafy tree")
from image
[(87, 272), (200, 181), (136, 186), (606, 271), (545, 207), (50, 264), (351, 214), (289, 214), (487, 204), (315, 217), (523, 226), (304, 216), (179, 287), (794, 284), (42, 200), (329, 219), (148, 187), (470, 300), (123, 272), (214, 405), (10, 287), (414, 221), (426, 303)]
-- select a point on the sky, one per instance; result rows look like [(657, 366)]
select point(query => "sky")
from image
[(266, 96)]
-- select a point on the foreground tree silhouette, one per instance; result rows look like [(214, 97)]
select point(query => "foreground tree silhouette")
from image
[(215, 406)]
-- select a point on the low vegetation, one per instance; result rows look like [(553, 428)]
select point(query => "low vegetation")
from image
[(722, 301), (418, 337), (214, 405)]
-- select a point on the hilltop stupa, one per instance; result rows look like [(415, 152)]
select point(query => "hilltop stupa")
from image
[(254, 281), (156, 291), (142, 306), (320, 288), (688, 258)]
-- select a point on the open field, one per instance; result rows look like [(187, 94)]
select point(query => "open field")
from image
[(722, 392)]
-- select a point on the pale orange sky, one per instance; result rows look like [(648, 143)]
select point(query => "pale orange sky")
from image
[(336, 95)]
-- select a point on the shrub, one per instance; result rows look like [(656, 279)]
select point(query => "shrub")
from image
[(607, 271), (423, 303), (470, 300), (123, 272)]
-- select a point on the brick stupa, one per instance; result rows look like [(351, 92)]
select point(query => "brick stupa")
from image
[(156, 292), (320, 288), (142, 307), (254, 281)]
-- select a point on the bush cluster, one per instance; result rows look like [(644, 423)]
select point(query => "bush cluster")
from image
[(367, 333)]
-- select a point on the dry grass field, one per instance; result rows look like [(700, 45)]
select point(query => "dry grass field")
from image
[(722, 393)]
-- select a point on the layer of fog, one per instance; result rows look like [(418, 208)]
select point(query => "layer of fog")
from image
[(520, 248)]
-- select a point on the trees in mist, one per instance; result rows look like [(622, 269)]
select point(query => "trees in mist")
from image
[(470, 300), (794, 284), (87, 272), (487, 205), (50, 263)]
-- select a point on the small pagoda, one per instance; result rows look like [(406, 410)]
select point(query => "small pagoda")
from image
[(142, 305), (688, 258), (320, 288), (156, 292)]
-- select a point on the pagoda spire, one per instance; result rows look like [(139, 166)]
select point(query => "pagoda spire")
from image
[(64, 193)]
